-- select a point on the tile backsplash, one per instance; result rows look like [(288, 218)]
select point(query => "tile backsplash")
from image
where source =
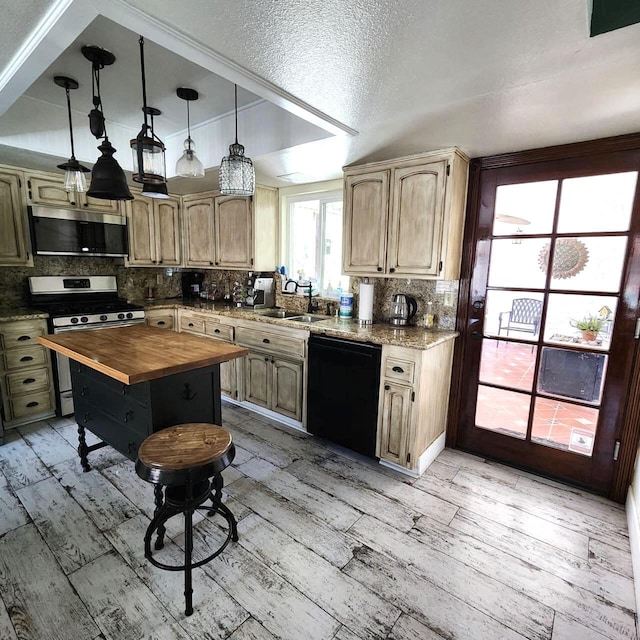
[(133, 282)]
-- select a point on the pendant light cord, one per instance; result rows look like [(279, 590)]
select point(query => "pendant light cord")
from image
[(66, 88), (235, 86), (188, 126), (97, 98), (144, 83)]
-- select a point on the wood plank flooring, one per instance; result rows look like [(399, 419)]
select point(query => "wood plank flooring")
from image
[(332, 547)]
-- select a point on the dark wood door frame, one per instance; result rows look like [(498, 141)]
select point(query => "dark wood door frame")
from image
[(629, 430)]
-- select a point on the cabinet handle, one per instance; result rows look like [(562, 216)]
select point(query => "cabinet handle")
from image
[(83, 391), (266, 340), (211, 262), (159, 261), (28, 380), (216, 331), (131, 447), (24, 338), (154, 262), (387, 387), (84, 205), (128, 416), (266, 359), (217, 263), (26, 358), (190, 324), (32, 404), (379, 269), (392, 270), (73, 203), (398, 369), (161, 322), (86, 417)]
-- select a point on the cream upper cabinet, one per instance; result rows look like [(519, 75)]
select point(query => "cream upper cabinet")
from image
[(405, 217), (154, 231), (231, 232), (14, 235), (48, 190)]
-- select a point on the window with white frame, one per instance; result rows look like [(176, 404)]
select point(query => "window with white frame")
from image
[(314, 240)]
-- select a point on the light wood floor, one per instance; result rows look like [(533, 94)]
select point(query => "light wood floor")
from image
[(331, 547)]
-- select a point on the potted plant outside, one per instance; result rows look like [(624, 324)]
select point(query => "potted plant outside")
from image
[(590, 326)]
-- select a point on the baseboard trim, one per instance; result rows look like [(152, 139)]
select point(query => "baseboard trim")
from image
[(427, 457), (633, 523)]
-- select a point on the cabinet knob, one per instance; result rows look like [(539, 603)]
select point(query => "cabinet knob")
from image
[(392, 270), (266, 340), (216, 331), (217, 263), (387, 387), (161, 322), (379, 269), (211, 262), (398, 369), (85, 204), (73, 203), (191, 324), (159, 261), (266, 359)]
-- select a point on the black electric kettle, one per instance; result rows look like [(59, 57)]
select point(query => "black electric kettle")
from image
[(403, 308)]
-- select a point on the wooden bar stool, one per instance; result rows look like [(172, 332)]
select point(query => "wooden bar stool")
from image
[(187, 461)]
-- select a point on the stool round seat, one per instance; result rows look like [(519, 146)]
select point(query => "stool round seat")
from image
[(185, 453)]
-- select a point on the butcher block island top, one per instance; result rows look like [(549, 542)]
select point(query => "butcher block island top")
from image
[(140, 353)]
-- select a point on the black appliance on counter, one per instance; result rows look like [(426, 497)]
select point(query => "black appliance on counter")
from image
[(74, 303), (192, 284), (342, 398)]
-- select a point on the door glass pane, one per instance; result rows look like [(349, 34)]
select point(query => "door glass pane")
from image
[(513, 313), (587, 264), (564, 426), (503, 411), (509, 364), (519, 263), (580, 319), (572, 374), (525, 208), (597, 203)]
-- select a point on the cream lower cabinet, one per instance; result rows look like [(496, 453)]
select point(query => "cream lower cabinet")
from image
[(26, 380), (274, 370), (404, 217), (15, 247), (413, 402), (216, 328)]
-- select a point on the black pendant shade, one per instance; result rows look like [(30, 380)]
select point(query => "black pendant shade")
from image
[(108, 181)]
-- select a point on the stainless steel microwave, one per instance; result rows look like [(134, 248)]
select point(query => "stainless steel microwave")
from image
[(71, 232)]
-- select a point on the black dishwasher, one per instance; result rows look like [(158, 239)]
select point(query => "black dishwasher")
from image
[(342, 396)]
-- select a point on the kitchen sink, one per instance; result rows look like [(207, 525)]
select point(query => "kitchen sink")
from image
[(278, 313), (309, 319)]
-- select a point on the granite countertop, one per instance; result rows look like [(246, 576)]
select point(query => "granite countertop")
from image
[(11, 313), (377, 333)]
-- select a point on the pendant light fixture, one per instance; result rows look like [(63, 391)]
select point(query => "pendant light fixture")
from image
[(147, 149), (188, 166), (74, 179), (148, 189), (108, 181), (237, 175)]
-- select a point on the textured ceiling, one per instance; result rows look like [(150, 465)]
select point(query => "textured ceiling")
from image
[(411, 75)]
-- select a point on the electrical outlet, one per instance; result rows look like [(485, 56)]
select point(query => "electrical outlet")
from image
[(449, 299), (159, 278)]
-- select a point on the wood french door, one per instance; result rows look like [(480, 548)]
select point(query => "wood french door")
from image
[(552, 252)]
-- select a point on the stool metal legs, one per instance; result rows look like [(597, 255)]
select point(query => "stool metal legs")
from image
[(181, 500)]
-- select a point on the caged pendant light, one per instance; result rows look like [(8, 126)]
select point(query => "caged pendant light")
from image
[(74, 179), (148, 189), (237, 175), (189, 166), (108, 181), (147, 149)]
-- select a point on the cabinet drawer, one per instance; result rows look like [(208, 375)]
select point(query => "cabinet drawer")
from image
[(28, 381), (399, 370), (25, 357), (32, 403), (162, 322), (219, 331), (271, 342), (22, 334), (192, 324)]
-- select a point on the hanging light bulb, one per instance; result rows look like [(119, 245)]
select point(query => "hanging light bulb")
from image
[(237, 175), (147, 149), (74, 179), (108, 181), (148, 189), (189, 166)]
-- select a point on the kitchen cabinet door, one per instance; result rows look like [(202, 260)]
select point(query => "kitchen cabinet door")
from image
[(366, 208), (257, 379), (286, 395), (395, 423), (228, 379), (49, 191), (199, 235), (233, 232), (14, 236), (416, 219), (141, 229), (167, 232)]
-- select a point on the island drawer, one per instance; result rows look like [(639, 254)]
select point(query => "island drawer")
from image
[(271, 342), (28, 381), (398, 370), (161, 321), (25, 357), (22, 334), (192, 324), (29, 404)]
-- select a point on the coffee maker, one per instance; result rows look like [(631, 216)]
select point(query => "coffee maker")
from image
[(192, 284), (261, 294)]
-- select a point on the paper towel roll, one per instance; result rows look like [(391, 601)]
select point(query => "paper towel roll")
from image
[(365, 304)]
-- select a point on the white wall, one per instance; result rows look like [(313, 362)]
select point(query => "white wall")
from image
[(633, 520)]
